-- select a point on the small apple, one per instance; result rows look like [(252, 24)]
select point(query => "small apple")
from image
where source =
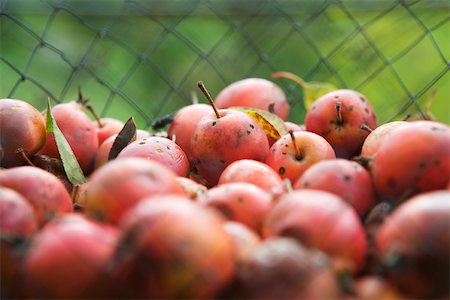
[(21, 127), (257, 93), (340, 117), (295, 152)]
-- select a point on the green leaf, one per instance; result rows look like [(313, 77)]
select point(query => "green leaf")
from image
[(70, 163), (311, 90), (125, 136), (272, 124)]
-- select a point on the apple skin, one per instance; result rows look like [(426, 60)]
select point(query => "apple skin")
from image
[(67, 257), (239, 201), (192, 189), (43, 190), (217, 142), (173, 248), (244, 239), (109, 126), (101, 157), (345, 136), (282, 268), (414, 244), (119, 185), (342, 177), (282, 156), (374, 140), (160, 149), (17, 217), (413, 158), (21, 126), (255, 172), (254, 92), (294, 126), (323, 221), (184, 122)]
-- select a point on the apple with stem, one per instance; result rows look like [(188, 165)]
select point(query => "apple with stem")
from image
[(342, 118), (295, 152), (223, 137), (22, 132)]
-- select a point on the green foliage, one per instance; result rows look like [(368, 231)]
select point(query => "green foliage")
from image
[(144, 58)]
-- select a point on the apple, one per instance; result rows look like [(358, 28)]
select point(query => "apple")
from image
[(223, 137), (160, 149), (295, 152), (43, 190), (107, 127), (67, 257), (239, 201), (183, 125), (414, 245), (282, 268), (172, 247), (413, 158), (255, 172), (257, 93), (21, 127), (344, 178), (323, 221), (120, 184), (341, 117)]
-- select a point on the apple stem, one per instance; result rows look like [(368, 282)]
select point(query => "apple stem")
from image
[(96, 117), (74, 193), (84, 103), (24, 156), (81, 99), (298, 155), (340, 120), (366, 128), (364, 161), (288, 185), (194, 97), (289, 75), (208, 96), (271, 108)]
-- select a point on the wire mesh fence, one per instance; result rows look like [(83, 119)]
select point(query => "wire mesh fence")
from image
[(144, 58)]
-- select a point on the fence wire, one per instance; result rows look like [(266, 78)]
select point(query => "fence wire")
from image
[(144, 58)]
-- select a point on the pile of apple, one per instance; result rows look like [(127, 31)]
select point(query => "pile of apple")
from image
[(231, 201)]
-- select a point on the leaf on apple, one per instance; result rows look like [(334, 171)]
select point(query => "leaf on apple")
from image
[(272, 124), (125, 136), (425, 113), (70, 163), (311, 90)]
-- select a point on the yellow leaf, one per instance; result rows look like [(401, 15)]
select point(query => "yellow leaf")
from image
[(272, 124), (313, 90)]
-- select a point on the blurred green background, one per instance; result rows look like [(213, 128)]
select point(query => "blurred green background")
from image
[(144, 58)]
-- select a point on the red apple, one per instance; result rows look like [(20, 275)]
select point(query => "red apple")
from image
[(120, 184), (183, 125), (43, 190), (21, 127), (257, 93), (160, 149), (320, 220), (255, 172), (344, 178), (340, 117), (294, 153)]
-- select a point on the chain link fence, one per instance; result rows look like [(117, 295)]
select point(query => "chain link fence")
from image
[(143, 58)]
